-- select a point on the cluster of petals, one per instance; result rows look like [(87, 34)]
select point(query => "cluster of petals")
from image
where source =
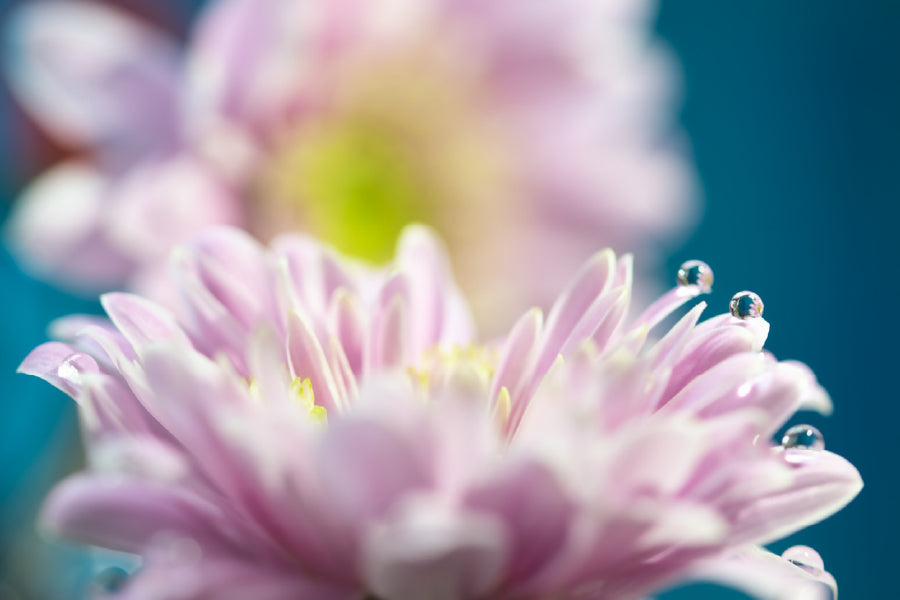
[(541, 127), (304, 426)]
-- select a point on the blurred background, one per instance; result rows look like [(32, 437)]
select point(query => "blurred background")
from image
[(793, 114)]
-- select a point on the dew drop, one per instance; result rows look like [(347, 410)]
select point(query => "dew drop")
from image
[(806, 558), (803, 437), (110, 580), (746, 305), (696, 272)]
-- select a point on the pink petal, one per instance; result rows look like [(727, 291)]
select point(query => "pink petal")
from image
[(438, 310), (532, 505), (142, 322), (823, 484), (57, 230), (366, 468), (765, 575), (125, 514), (389, 340), (514, 371), (163, 202), (592, 280), (93, 76), (307, 360), (428, 551), (345, 319), (60, 365)]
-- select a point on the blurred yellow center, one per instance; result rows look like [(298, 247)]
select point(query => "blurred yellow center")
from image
[(403, 137), (354, 186)]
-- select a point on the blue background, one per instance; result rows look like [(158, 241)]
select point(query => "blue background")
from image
[(793, 112)]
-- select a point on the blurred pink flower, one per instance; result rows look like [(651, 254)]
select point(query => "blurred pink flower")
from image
[(304, 426), (527, 135)]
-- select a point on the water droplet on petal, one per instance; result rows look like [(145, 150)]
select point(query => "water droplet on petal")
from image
[(806, 558), (696, 272), (803, 437), (801, 442), (111, 580), (746, 305)]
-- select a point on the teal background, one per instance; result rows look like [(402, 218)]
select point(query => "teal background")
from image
[(792, 108)]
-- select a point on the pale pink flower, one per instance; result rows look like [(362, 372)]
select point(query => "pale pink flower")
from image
[(308, 427), (527, 135)]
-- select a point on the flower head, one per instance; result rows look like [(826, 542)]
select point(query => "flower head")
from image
[(526, 135), (303, 426)]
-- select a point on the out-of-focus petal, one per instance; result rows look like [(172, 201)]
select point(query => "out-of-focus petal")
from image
[(58, 229), (766, 576), (823, 484), (162, 203), (125, 515), (428, 551), (93, 76)]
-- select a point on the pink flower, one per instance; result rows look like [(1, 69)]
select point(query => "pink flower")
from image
[(526, 135), (304, 426)]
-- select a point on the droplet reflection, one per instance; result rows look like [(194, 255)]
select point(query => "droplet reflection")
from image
[(746, 305), (696, 272), (803, 437), (806, 558), (110, 580)]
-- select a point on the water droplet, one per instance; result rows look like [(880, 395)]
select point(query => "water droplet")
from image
[(803, 437), (806, 558), (745, 305), (696, 272), (111, 580)]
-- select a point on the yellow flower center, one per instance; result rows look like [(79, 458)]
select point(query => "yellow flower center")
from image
[(404, 136)]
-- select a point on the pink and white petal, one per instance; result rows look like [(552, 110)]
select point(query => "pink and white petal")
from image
[(109, 408), (139, 456), (125, 514), (268, 366), (57, 230), (254, 63), (59, 365), (657, 458), (235, 274), (367, 467), (307, 361), (276, 452), (703, 351), (389, 340), (190, 395), (728, 377), (537, 513), (823, 484), (427, 550), (614, 317), (591, 281), (164, 202), (765, 575), (311, 274), (780, 391), (346, 322), (439, 311), (758, 329), (94, 76), (143, 322), (665, 305), (225, 577), (514, 371)]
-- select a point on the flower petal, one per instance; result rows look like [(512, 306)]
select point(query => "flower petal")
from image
[(823, 484), (428, 551), (126, 514), (765, 575), (92, 75), (58, 230)]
